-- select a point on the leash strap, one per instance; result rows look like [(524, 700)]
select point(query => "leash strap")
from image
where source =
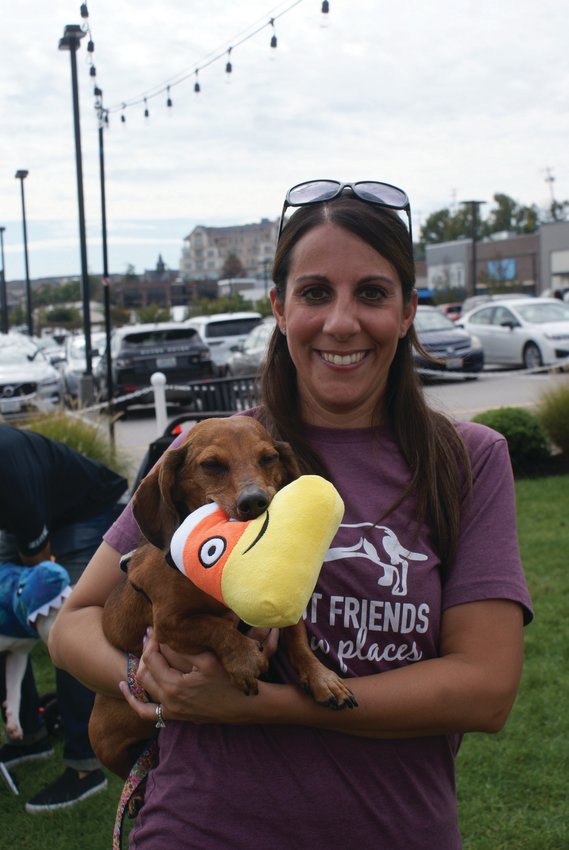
[(145, 762)]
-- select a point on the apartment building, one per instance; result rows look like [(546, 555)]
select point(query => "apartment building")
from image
[(207, 249)]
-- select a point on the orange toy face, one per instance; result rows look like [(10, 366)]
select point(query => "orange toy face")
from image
[(264, 569), (210, 538)]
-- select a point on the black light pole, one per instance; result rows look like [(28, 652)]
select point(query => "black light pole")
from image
[(474, 206), (72, 35), (21, 176), (3, 297), (106, 280)]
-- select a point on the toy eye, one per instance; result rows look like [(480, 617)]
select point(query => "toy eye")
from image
[(211, 551)]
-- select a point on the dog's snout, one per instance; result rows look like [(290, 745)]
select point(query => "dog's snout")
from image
[(252, 502)]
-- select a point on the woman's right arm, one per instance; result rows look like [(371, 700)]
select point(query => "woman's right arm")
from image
[(76, 641)]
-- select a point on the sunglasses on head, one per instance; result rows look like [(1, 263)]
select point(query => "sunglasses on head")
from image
[(370, 191)]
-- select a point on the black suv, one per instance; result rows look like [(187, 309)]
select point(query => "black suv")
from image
[(137, 351)]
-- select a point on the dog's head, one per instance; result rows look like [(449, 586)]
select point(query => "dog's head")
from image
[(233, 462)]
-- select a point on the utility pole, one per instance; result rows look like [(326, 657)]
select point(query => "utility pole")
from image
[(474, 207)]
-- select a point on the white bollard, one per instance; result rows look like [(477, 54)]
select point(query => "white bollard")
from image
[(158, 381)]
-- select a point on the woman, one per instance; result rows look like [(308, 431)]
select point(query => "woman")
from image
[(421, 600)]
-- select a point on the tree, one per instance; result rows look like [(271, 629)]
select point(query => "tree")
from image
[(232, 267), (153, 313), (505, 215)]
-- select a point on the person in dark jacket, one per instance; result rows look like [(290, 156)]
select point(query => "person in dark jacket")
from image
[(54, 502)]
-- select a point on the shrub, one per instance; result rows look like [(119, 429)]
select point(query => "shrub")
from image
[(526, 438), (553, 415), (80, 435)]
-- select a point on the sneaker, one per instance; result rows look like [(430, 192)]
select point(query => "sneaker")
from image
[(67, 790), (11, 754)]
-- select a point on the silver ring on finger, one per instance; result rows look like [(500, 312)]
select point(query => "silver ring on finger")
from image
[(160, 724)]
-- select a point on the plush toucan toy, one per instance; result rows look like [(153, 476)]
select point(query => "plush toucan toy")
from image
[(263, 569)]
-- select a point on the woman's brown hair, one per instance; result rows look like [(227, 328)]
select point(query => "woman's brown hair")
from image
[(429, 442)]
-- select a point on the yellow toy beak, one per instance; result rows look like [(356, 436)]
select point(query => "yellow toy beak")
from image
[(264, 570)]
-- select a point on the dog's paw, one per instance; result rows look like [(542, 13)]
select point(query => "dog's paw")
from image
[(245, 668), (329, 691)]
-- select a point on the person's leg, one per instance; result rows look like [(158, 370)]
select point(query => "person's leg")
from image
[(73, 547)]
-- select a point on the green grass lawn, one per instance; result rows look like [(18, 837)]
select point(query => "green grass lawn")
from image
[(512, 787)]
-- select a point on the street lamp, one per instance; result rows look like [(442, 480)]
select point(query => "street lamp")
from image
[(21, 176), (3, 297), (72, 35), (102, 116), (474, 207)]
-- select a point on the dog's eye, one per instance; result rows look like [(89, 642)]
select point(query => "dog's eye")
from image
[(269, 460), (213, 466)]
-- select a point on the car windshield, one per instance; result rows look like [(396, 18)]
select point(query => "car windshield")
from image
[(427, 320), (77, 346), (230, 327), (537, 314), (158, 337), (16, 355)]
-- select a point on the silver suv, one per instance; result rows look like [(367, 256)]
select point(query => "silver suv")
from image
[(222, 332)]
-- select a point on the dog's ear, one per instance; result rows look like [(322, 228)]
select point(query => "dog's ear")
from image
[(288, 461), (153, 504)]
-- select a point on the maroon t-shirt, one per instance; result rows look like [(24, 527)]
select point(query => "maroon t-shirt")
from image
[(377, 605)]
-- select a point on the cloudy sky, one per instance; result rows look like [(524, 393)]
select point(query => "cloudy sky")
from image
[(451, 100)]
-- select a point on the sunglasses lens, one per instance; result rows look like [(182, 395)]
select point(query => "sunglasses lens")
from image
[(315, 190), (391, 196)]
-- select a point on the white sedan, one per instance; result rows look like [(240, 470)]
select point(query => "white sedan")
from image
[(28, 383), (529, 332)]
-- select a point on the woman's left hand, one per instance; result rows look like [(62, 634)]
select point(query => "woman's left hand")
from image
[(192, 687)]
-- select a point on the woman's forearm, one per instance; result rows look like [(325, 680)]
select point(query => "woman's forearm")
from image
[(77, 644), (471, 687)]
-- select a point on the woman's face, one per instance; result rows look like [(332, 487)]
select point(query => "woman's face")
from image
[(344, 315)]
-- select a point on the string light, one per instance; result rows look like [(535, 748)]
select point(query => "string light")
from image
[(226, 54), (274, 35)]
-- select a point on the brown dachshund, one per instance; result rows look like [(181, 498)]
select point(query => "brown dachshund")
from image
[(237, 464)]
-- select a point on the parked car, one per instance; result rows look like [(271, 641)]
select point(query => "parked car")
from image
[(28, 383), (53, 351), (455, 349), (75, 365), (528, 332), (248, 357), (221, 332), (137, 351), (476, 300), (451, 310)]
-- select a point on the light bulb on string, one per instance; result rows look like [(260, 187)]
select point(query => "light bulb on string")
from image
[(123, 116), (84, 10), (325, 20), (146, 112), (92, 71), (273, 40), (169, 100), (197, 87), (228, 67)]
